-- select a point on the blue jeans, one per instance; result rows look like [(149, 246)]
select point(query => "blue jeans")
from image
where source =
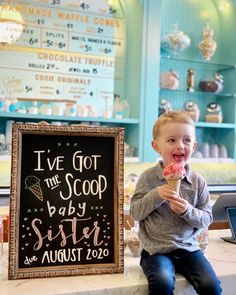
[(160, 272)]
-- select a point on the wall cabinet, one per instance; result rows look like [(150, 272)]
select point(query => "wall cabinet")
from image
[(158, 19), (213, 133)]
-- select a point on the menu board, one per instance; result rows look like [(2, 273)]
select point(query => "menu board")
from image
[(71, 50), (66, 202)]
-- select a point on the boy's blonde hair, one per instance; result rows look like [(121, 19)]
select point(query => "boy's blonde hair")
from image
[(172, 116)]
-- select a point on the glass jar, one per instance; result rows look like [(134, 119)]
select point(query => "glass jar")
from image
[(169, 80), (175, 42), (207, 46), (211, 83), (120, 108)]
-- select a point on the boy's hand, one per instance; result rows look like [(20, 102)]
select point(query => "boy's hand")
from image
[(166, 192), (177, 204)]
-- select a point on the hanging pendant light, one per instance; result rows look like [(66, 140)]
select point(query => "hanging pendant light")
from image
[(11, 24)]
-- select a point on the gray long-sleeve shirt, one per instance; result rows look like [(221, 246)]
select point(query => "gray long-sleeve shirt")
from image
[(162, 230)]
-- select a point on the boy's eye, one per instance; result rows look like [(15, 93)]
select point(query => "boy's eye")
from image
[(171, 140), (187, 140)]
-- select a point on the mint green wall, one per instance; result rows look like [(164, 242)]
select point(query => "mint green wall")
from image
[(191, 16), (142, 69), (133, 15), (150, 75)]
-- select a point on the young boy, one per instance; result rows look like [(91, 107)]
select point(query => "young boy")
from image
[(169, 222)]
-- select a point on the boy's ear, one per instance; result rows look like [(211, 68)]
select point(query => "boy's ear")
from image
[(195, 146), (155, 146)]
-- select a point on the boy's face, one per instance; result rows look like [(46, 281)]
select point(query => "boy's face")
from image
[(175, 143)]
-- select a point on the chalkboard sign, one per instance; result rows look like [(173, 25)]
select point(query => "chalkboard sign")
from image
[(66, 203)]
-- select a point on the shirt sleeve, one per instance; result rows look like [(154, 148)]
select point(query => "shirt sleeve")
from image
[(145, 198), (200, 215)]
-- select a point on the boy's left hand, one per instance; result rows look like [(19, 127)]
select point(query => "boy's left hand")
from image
[(178, 205)]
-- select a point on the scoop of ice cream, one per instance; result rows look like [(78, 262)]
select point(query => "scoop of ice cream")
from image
[(30, 181), (174, 171)]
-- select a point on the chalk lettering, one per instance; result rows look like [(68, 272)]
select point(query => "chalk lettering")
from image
[(69, 209), (85, 187), (62, 255), (75, 233), (86, 162), (39, 161), (29, 261), (55, 163)]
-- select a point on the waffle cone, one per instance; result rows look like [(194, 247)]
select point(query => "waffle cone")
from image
[(175, 184), (36, 190)]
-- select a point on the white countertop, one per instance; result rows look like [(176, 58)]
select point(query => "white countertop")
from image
[(221, 254)]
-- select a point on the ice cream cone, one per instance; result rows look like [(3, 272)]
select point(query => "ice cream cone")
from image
[(175, 184), (33, 184), (174, 173), (36, 190)]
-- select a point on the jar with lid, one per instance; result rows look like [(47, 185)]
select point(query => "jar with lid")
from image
[(120, 107), (211, 83), (169, 80), (214, 113), (175, 41), (207, 46)]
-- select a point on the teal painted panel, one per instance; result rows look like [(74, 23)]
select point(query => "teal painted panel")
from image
[(191, 17), (150, 75)]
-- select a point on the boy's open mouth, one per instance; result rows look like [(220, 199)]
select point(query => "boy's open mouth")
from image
[(178, 157)]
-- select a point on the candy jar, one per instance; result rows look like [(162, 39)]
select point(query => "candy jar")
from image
[(120, 107), (214, 113), (219, 81), (169, 80), (133, 241), (164, 106), (70, 109), (175, 41), (207, 46), (211, 83), (45, 109), (192, 110), (34, 108)]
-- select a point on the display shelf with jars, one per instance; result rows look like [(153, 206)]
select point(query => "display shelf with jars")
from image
[(131, 126), (197, 54), (198, 87), (66, 112)]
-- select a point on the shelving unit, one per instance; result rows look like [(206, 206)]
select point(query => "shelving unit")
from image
[(213, 133), (195, 93), (129, 124), (27, 116)]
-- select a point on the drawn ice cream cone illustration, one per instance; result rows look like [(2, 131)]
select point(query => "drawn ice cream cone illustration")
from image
[(174, 173), (33, 184)]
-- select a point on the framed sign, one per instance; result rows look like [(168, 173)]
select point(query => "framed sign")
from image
[(66, 201)]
